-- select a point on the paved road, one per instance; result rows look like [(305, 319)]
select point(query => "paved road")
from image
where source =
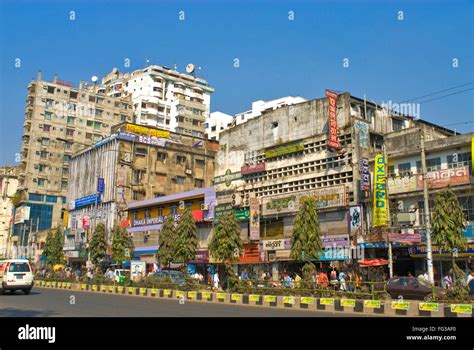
[(45, 302)]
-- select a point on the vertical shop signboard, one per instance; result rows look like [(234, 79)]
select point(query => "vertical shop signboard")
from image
[(254, 219), (380, 192)]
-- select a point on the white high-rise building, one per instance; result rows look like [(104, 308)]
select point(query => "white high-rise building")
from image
[(217, 123), (163, 97)]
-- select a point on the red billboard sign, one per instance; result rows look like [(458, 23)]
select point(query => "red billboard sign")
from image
[(443, 178), (252, 169), (333, 141)]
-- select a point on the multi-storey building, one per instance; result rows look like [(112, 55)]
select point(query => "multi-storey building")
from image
[(163, 98), (216, 123), (298, 151), (59, 121), (258, 107), (8, 187), (135, 163), (448, 163)]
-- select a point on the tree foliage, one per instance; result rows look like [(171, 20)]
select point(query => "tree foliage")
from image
[(448, 222), (166, 241), (54, 245), (186, 238), (306, 240), (122, 245), (226, 244), (98, 244)]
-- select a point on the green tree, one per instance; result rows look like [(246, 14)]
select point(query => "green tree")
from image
[(306, 240), (226, 244), (448, 225), (166, 242), (54, 245), (122, 245), (186, 238), (98, 245)]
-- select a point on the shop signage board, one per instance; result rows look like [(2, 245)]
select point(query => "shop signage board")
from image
[(154, 291), (236, 297), (364, 169), (461, 308), (400, 305), (404, 238), (274, 244), (167, 292), (253, 168), (348, 302), (192, 295), (153, 141), (326, 301), (446, 177), (373, 304), (428, 306), (100, 184), (307, 300), (362, 132), (380, 193), (227, 178), (138, 129), (180, 294), (287, 148), (333, 141), (334, 196), (21, 214), (152, 221), (220, 296), (289, 300), (355, 219), (240, 214), (206, 295), (254, 218), (88, 200)]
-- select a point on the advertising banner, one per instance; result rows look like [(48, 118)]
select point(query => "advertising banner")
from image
[(444, 178), (280, 150), (253, 169), (227, 178), (333, 141), (137, 269), (380, 193), (254, 219), (21, 214), (138, 129), (364, 174)]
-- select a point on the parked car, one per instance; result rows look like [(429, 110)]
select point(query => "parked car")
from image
[(176, 277), (16, 274), (411, 288)]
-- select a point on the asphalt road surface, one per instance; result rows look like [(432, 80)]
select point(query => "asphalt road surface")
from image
[(45, 302)]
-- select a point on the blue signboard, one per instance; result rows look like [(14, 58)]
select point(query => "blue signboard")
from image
[(82, 202), (100, 185)]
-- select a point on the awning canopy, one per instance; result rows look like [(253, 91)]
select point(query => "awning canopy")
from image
[(373, 262)]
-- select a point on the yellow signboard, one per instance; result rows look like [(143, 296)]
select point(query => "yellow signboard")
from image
[(374, 304), (143, 291), (307, 300), (206, 295), (400, 305), (179, 294), (380, 192), (111, 289), (254, 297), (461, 308), (167, 292), (236, 297), (154, 291), (94, 287), (192, 295), (103, 288), (137, 129), (348, 302), (269, 298), (120, 289), (326, 301), (428, 306), (289, 300), (83, 286), (220, 296)]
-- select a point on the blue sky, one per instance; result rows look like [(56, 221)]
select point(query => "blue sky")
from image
[(388, 59)]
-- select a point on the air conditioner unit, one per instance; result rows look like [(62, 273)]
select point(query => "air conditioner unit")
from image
[(40, 126), (189, 172)]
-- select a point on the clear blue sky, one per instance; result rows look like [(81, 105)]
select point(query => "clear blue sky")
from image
[(388, 59)]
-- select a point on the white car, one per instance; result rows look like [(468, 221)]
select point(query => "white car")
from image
[(16, 274)]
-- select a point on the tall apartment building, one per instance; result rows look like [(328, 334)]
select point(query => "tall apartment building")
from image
[(163, 98), (60, 120), (136, 163), (8, 187), (269, 163), (216, 123)]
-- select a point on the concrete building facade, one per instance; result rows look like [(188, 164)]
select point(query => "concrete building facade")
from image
[(163, 98), (136, 163), (59, 121), (284, 155), (8, 187), (216, 123)]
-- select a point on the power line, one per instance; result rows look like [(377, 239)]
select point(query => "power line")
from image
[(437, 92), (454, 93)]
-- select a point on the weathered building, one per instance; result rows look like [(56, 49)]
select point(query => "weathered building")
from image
[(8, 187), (60, 120), (136, 163)]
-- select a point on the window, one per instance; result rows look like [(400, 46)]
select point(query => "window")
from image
[(42, 168), (404, 169), (140, 152), (90, 123), (46, 128), (196, 122), (198, 183), (50, 89), (274, 125), (97, 125), (88, 136), (397, 124), (457, 160), (48, 115), (45, 141), (213, 128), (44, 154), (70, 120), (391, 170), (41, 182), (36, 197), (180, 180), (433, 164), (200, 162), (73, 94), (137, 176), (51, 199), (99, 112), (70, 132), (66, 158), (161, 156), (180, 159)]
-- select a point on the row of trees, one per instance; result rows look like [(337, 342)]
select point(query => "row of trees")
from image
[(178, 242)]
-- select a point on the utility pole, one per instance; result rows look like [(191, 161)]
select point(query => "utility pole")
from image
[(429, 254), (389, 217)]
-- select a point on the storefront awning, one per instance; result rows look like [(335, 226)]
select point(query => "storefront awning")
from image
[(146, 250), (373, 262), (144, 228)]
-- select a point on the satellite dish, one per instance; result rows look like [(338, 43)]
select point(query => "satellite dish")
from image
[(94, 78), (190, 68)]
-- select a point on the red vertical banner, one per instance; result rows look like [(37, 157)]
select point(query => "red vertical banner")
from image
[(333, 141)]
